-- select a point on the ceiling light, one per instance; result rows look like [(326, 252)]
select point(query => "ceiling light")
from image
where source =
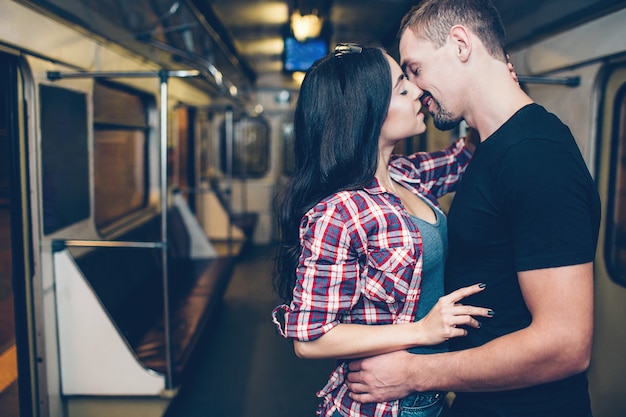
[(307, 26), (298, 77)]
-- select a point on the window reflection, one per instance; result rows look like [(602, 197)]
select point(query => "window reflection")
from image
[(120, 152), (250, 147)]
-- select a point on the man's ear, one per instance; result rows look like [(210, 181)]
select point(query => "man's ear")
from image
[(462, 42)]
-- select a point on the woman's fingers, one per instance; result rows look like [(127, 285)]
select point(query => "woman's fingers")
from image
[(449, 318), (461, 293), (457, 325), (464, 320), (455, 296), (457, 316), (465, 310)]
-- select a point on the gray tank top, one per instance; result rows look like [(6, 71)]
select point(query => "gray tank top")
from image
[(434, 251)]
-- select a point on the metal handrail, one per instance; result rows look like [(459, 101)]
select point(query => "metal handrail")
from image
[(78, 243), (163, 76), (536, 79)]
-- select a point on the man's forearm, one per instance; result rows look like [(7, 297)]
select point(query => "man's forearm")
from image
[(557, 343), (518, 360)]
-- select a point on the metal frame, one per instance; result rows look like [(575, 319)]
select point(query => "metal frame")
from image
[(163, 76), (535, 79)]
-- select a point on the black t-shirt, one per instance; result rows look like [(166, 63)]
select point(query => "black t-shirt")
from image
[(526, 201)]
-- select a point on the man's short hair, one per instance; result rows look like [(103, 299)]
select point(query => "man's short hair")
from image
[(433, 19)]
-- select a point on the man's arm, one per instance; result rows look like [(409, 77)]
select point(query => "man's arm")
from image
[(555, 345)]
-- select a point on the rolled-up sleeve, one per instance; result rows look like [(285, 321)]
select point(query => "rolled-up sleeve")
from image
[(327, 278), (438, 171)]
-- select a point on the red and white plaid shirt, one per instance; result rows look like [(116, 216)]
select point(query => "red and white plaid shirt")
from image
[(361, 262)]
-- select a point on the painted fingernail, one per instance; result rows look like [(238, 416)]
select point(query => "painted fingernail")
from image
[(482, 285), (491, 313)]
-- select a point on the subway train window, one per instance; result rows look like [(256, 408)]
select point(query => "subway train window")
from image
[(616, 222), (121, 137), (64, 157), (204, 145), (250, 147), (183, 171)]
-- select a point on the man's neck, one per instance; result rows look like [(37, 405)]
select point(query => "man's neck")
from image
[(494, 99)]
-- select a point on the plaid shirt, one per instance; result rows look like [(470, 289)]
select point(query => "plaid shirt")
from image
[(361, 262)]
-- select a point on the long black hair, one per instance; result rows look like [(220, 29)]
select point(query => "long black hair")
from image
[(341, 107)]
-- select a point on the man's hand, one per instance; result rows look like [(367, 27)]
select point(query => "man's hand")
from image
[(381, 378)]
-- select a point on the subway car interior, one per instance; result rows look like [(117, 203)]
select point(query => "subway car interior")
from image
[(142, 146)]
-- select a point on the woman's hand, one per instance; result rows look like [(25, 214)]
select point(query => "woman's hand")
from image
[(511, 68), (447, 318)]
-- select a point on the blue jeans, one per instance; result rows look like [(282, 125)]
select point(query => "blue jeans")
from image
[(422, 404), (419, 404)]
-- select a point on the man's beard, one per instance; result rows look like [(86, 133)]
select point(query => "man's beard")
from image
[(443, 119)]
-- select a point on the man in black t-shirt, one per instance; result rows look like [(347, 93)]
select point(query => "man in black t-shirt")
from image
[(524, 221)]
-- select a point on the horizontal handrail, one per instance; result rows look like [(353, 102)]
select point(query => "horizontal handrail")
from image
[(57, 75), (58, 244), (532, 79)]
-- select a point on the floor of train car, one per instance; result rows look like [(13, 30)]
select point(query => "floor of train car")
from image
[(245, 369)]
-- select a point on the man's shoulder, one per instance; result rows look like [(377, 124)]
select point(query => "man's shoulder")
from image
[(533, 122), (538, 122)]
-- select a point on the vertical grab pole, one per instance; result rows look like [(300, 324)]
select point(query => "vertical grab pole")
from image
[(243, 147), (230, 140), (163, 77)]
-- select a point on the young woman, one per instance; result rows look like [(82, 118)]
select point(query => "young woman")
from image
[(363, 236)]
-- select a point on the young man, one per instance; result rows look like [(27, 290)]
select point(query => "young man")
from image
[(524, 221)]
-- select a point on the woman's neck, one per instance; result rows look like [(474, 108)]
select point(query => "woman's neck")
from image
[(382, 170)]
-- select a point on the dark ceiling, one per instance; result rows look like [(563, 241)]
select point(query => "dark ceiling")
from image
[(243, 39)]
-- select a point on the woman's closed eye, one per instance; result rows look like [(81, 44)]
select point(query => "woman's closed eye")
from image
[(405, 80)]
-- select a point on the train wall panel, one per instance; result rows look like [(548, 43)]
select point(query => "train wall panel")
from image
[(214, 219), (51, 348), (599, 38), (256, 196), (94, 358), (608, 367), (200, 247)]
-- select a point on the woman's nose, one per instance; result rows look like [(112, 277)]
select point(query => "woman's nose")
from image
[(416, 91)]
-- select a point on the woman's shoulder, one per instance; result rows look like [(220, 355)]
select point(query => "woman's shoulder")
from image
[(345, 198), (348, 203)]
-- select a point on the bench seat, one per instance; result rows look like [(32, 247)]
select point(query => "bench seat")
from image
[(129, 284)]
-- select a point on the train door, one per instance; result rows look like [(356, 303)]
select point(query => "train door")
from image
[(607, 373), (16, 394)]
